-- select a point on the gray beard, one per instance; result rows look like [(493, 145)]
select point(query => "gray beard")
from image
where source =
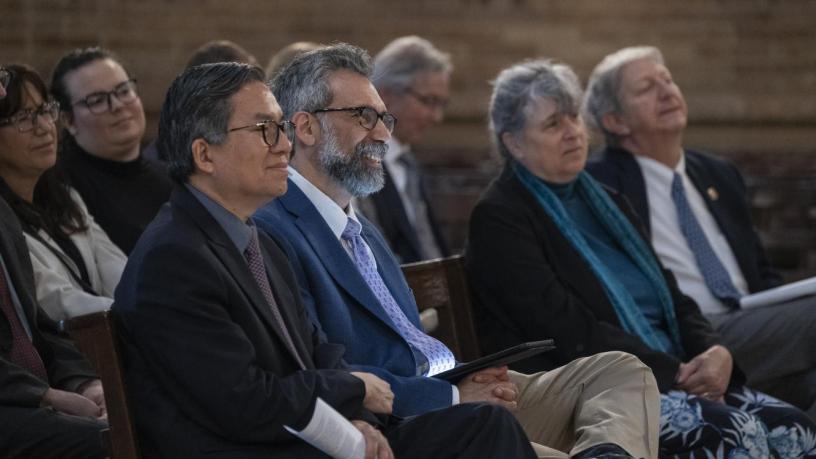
[(351, 170)]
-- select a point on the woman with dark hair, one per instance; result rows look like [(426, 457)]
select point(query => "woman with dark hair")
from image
[(76, 266), (100, 149), (552, 254)]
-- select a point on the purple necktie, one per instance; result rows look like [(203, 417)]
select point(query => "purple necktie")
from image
[(440, 358), (258, 268), (23, 353)]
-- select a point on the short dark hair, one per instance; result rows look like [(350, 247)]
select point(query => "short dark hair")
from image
[(72, 61), (197, 106), (220, 51), (52, 209)]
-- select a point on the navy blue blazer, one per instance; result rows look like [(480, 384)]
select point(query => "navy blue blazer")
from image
[(344, 307), (723, 190)]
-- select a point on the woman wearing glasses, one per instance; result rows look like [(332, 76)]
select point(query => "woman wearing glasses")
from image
[(76, 266), (100, 150)]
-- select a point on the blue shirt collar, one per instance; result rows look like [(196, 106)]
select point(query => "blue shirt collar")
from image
[(239, 232)]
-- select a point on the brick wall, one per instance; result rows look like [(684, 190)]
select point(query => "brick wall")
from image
[(747, 68)]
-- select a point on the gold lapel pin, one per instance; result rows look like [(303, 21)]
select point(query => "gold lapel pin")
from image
[(712, 193)]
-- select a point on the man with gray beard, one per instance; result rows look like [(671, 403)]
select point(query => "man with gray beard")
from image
[(602, 406)]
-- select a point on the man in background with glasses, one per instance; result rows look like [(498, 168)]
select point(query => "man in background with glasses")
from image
[(412, 77), (603, 406)]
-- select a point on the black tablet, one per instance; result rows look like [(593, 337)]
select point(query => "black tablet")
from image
[(501, 358)]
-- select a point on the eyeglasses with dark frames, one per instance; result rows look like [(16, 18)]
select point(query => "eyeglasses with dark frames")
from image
[(26, 120), (431, 102), (266, 128), (101, 102), (367, 116), (5, 77)]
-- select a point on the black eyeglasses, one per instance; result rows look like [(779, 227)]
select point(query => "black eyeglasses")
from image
[(26, 120), (100, 102), (285, 126), (367, 116), (431, 102), (5, 77)]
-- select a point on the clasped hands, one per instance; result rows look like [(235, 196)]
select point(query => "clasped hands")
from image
[(707, 375), (491, 385), (89, 402)]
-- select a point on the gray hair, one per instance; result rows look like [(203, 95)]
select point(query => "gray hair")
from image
[(303, 84), (603, 90), (197, 106), (403, 59), (520, 87)]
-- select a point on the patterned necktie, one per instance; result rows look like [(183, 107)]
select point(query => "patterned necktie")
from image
[(714, 273), (258, 268), (422, 225), (440, 358), (23, 353)]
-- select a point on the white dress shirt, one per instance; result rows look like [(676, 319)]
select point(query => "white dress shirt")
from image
[(337, 218), (670, 243)]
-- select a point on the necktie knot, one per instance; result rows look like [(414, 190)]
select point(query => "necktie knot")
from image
[(352, 229)]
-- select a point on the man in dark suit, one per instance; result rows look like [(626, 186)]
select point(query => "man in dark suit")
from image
[(51, 403), (412, 77), (355, 291), (696, 211), (220, 354)]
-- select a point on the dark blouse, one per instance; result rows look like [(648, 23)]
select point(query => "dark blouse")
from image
[(123, 197)]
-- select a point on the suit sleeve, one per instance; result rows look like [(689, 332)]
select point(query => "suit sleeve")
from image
[(413, 395), (185, 332), (512, 277)]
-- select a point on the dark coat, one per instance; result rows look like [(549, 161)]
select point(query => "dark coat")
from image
[(723, 190), (529, 283)]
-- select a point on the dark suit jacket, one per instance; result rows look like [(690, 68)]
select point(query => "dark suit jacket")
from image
[(206, 367), (343, 305), (394, 223), (529, 283), (67, 369), (618, 169)]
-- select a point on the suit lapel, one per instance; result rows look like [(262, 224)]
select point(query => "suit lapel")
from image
[(632, 184), (331, 253), (228, 254)]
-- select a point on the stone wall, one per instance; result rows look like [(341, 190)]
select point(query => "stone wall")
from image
[(747, 67)]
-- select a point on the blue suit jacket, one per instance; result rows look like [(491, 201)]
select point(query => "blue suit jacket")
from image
[(723, 190), (343, 306)]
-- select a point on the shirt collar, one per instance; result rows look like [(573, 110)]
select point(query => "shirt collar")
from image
[(395, 150), (333, 214), (239, 232), (664, 174)]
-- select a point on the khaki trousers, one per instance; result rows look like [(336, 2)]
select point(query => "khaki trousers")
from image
[(610, 397)]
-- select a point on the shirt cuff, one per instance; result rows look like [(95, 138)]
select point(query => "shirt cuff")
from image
[(454, 395)]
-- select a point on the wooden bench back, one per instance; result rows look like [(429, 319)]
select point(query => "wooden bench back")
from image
[(95, 336), (441, 284)]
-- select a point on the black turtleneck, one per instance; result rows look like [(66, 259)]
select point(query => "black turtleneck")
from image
[(123, 197)]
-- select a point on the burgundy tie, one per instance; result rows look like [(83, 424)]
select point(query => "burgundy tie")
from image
[(23, 353), (254, 259)]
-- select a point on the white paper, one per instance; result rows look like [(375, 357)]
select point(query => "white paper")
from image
[(781, 294), (331, 433)]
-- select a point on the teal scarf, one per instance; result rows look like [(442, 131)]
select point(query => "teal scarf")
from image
[(621, 230)]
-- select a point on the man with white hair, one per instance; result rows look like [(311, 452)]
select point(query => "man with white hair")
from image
[(412, 78), (694, 205)]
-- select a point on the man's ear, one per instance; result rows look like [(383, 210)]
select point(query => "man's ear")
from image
[(513, 145), (202, 156), (613, 122), (67, 120), (305, 128)]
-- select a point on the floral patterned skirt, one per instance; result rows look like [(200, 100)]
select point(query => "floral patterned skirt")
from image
[(749, 424)]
